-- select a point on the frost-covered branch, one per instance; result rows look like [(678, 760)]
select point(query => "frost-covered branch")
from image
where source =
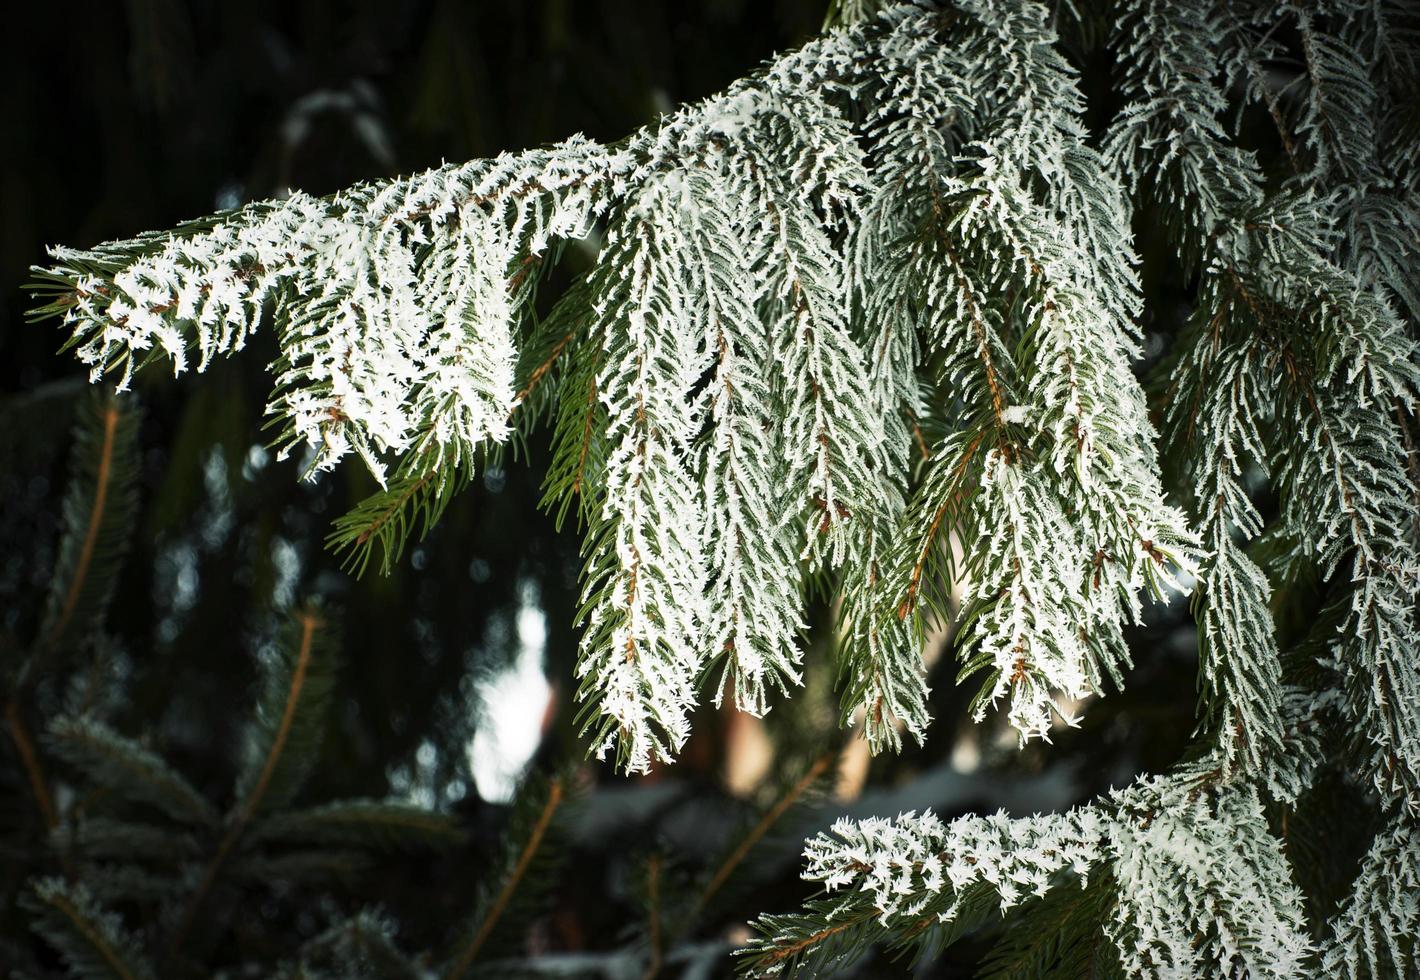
[(1200, 885)]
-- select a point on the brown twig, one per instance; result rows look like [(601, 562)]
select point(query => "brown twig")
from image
[(909, 602), (310, 623), (30, 761), (784, 952), (505, 895), (541, 370), (388, 514), (91, 533), (771, 816), (586, 438)]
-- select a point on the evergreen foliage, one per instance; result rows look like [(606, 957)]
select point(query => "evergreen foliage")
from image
[(867, 323)]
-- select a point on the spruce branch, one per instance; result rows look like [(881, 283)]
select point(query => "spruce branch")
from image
[(383, 824), (794, 249), (128, 769)]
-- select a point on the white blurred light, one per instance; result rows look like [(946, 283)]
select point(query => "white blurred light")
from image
[(966, 754), (511, 705)]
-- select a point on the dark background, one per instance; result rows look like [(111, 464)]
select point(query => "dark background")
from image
[(126, 116)]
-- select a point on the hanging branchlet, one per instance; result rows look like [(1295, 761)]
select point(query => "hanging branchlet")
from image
[(1280, 297), (1033, 332)]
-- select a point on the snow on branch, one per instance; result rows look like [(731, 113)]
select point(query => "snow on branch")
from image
[(1377, 931), (1200, 886)]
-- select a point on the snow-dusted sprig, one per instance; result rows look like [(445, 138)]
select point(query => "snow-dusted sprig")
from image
[(394, 302), (895, 260), (1381, 244), (1200, 884), (1377, 931), (763, 489), (1169, 142), (757, 285), (1272, 301), (1217, 426), (842, 420), (914, 865), (830, 429), (881, 672), (1357, 511), (1025, 604), (917, 883), (1348, 364), (1308, 719), (642, 601), (1093, 443), (753, 606), (1338, 121), (1204, 887)]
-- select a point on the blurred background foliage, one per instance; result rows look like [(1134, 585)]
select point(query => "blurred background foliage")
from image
[(125, 116)]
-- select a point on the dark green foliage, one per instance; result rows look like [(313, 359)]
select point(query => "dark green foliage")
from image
[(1058, 937), (409, 507), (376, 824), (322, 867), (122, 766), (91, 940), (261, 841)]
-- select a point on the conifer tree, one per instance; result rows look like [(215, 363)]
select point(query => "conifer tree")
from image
[(869, 323)]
